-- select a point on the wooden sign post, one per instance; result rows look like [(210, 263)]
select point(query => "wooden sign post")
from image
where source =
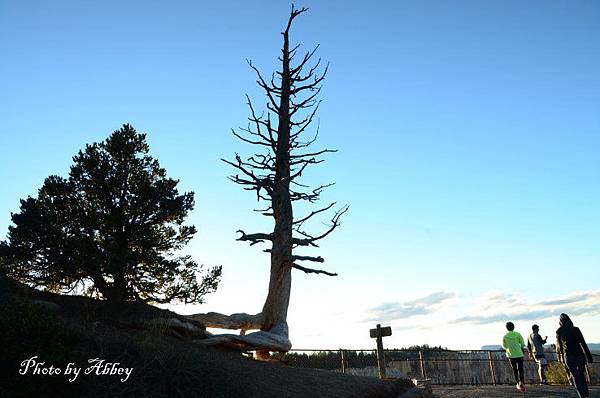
[(379, 333)]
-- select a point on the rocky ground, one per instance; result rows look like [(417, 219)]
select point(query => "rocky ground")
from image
[(166, 361), (509, 391)]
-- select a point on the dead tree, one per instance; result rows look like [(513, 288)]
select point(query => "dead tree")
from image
[(274, 173)]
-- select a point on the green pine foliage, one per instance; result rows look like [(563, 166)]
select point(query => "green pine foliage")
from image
[(112, 228)]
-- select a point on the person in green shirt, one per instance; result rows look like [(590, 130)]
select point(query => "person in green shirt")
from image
[(514, 345)]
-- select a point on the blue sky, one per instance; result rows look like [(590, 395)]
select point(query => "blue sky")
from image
[(468, 136)]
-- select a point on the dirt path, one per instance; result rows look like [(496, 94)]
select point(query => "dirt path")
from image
[(509, 391)]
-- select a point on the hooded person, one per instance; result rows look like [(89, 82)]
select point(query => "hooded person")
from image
[(573, 351)]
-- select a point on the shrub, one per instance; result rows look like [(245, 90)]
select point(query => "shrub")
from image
[(556, 373)]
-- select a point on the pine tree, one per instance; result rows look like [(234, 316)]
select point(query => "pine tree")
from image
[(111, 229)]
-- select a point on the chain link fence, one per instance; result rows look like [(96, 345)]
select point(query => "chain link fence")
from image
[(442, 367)]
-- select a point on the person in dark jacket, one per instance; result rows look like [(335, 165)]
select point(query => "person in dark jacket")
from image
[(573, 352)]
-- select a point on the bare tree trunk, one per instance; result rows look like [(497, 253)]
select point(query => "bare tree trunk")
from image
[(278, 298), (272, 174)]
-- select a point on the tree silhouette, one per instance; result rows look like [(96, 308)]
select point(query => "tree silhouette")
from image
[(112, 228), (274, 173)]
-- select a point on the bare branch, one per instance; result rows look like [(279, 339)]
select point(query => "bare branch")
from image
[(293, 15), (315, 83), (303, 242), (299, 172), (317, 259), (312, 271), (303, 220), (321, 152), (307, 57), (258, 122), (299, 145), (249, 141), (306, 121), (292, 53), (335, 222), (265, 212), (255, 183), (254, 238), (312, 196), (268, 89), (313, 154), (303, 125), (306, 103), (298, 184)]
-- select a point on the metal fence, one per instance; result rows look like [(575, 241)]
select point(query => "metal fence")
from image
[(442, 367)]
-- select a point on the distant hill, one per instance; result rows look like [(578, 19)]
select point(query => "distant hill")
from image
[(594, 347), (491, 347)]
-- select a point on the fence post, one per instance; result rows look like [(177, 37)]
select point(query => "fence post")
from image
[(422, 362), (343, 357), (492, 368)]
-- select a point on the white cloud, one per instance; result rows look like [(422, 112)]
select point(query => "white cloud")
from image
[(422, 306), (496, 307)]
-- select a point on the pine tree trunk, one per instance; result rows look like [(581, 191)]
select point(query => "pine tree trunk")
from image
[(278, 298), (274, 174), (276, 305)]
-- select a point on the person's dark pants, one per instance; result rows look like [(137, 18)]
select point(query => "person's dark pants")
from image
[(517, 367), (576, 366)]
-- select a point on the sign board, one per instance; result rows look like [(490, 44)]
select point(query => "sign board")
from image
[(379, 333), (386, 331)]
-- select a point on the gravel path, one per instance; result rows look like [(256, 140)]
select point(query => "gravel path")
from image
[(509, 391)]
